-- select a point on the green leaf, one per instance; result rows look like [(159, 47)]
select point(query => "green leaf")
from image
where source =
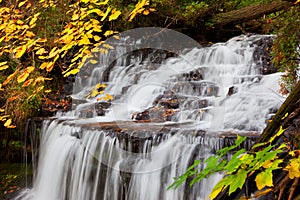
[(234, 162), (238, 142), (280, 131), (259, 145), (239, 181)]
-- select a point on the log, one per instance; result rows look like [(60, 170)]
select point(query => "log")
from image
[(249, 12)]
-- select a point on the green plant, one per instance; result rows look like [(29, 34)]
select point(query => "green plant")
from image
[(286, 47), (243, 164)]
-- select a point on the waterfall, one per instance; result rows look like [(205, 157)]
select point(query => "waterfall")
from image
[(220, 90)]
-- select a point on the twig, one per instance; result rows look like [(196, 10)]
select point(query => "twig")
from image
[(292, 190)]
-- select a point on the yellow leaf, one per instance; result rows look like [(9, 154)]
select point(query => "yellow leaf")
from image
[(2, 110), (89, 35), (53, 52), (108, 46), (100, 86), (22, 3), (3, 118), (28, 82), (115, 15), (1, 39), (94, 93), (29, 69), (28, 5), (44, 65), (8, 79), (47, 91), (20, 51), (106, 13), (29, 34), (49, 66), (97, 29), (94, 62), (293, 168), (132, 16), (263, 179), (97, 11), (108, 97), (97, 38), (84, 41), (7, 123), (40, 79), (221, 185), (267, 164), (116, 37), (66, 38), (33, 20), (146, 12), (42, 40), (39, 89), (3, 67), (73, 71), (75, 17), (20, 22), (41, 51), (22, 77), (108, 33)]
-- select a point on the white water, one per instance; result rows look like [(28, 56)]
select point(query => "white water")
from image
[(86, 164)]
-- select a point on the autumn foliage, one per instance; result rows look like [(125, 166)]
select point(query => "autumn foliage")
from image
[(38, 37)]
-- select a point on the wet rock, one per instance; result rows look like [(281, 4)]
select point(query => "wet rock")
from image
[(96, 109), (167, 100), (101, 108), (142, 116), (262, 55), (88, 113), (232, 90), (154, 114), (195, 75)]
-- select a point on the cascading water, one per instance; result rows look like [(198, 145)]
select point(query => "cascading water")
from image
[(95, 158)]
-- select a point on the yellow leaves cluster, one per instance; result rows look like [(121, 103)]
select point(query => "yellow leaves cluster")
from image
[(80, 39), (140, 9), (8, 124), (21, 78), (3, 65), (293, 168), (6, 120)]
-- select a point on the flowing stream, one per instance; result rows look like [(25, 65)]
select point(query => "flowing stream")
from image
[(219, 89)]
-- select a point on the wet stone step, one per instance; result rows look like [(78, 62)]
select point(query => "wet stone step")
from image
[(197, 88)]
